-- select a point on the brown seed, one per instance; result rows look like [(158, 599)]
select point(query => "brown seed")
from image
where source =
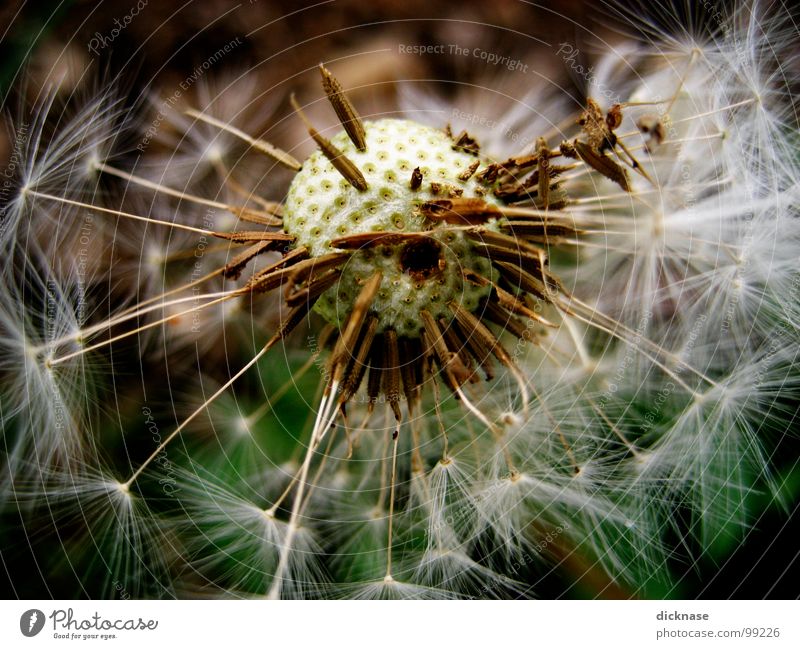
[(614, 117), (544, 173), (346, 343), (504, 319), (469, 322), (344, 109), (528, 213), (233, 269), (467, 173), (513, 192), (450, 364), (489, 237), (358, 365), (592, 120), (568, 150), (294, 318), (249, 236), (528, 282), (260, 216), (339, 160), (539, 232), (458, 346), (271, 276), (416, 179), (512, 171), (533, 263), (601, 138), (466, 143), (489, 175), (391, 374), (476, 349), (411, 369), (303, 269), (459, 211), (603, 164), (375, 375), (315, 287), (504, 298), (264, 282)]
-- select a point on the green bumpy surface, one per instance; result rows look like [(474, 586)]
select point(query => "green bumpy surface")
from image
[(321, 206)]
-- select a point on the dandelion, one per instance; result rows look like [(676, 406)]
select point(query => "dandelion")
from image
[(54, 154), (45, 407), (525, 353)]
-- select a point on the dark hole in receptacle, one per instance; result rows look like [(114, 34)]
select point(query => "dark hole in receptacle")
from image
[(423, 258)]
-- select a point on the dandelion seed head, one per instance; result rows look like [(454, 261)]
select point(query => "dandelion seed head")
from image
[(55, 153), (322, 207), (45, 397)]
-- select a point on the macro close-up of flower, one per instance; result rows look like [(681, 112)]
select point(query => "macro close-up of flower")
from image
[(404, 302)]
